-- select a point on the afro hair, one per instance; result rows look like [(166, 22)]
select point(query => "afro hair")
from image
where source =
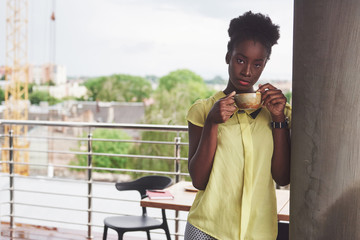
[(250, 26)]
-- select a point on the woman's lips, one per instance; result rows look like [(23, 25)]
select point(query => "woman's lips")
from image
[(244, 83)]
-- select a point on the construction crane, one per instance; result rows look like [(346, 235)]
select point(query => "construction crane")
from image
[(16, 90), (52, 52)]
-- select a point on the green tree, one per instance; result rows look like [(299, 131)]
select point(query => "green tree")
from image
[(94, 86), (175, 94), (177, 77), (107, 148), (288, 96), (120, 87), (2, 95), (171, 106), (30, 87), (50, 83), (38, 96)]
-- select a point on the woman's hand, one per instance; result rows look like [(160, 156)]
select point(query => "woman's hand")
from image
[(223, 109), (274, 100), (203, 141)]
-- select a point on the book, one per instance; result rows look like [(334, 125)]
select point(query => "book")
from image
[(159, 194)]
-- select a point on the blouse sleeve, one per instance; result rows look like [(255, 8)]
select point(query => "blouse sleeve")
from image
[(196, 114)]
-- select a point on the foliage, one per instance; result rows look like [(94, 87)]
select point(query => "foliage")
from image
[(164, 150), (49, 83), (82, 98), (67, 98), (120, 87), (172, 99), (38, 96), (107, 148), (175, 94), (171, 106), (288, 96), (2, 95), (182, 76), (30, 87), (94, 86)]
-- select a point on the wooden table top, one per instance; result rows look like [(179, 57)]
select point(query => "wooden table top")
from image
[(183, 200)]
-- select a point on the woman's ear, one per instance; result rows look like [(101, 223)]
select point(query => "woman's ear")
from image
[(227, 58)]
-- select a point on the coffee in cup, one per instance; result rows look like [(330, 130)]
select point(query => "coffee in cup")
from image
[(245, 101)]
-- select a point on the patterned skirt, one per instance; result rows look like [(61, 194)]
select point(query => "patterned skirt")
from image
[(193, 233)]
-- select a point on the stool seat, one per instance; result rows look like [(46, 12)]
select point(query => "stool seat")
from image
[(123, 224), (132, 223)]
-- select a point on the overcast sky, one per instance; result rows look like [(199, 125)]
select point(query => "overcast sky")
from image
[(147, 37)]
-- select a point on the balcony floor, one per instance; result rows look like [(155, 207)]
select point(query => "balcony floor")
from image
[(31, 232)]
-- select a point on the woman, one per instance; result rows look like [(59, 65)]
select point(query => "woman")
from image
[(235, 155)]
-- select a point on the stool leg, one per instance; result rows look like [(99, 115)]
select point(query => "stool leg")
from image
[(105, 232), (165, 225), (148, 234), (120, 235), (167, 234)]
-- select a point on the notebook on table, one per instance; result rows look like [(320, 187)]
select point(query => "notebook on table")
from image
[(159, 194)]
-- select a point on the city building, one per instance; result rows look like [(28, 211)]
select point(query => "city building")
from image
[(68, 89), (42, 74)]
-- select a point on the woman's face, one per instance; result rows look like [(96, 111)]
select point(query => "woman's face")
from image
[(246, 63)]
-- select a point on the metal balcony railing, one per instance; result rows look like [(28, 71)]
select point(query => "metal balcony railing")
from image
[(38, 197)]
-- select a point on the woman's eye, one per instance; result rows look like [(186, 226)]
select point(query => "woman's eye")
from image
[(239, 61), (257, 65)]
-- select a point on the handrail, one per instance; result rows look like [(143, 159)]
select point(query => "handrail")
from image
[(95, 154), (157, 127), (88, 180), (97, 139)]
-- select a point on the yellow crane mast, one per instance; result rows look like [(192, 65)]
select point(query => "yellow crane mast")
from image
[(16, 76)]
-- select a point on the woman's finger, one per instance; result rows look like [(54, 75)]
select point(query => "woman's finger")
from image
[(265, 87), (230, 95), (268, 97), (276, 101)]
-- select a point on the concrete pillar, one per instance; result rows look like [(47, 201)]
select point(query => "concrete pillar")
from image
[(325, 165)]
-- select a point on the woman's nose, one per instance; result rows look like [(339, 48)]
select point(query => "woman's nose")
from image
[(246, 71)]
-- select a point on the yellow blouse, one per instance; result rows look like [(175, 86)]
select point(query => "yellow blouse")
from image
[(239, 201)]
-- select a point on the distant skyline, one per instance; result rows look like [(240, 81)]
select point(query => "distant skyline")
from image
[(147, 37)]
